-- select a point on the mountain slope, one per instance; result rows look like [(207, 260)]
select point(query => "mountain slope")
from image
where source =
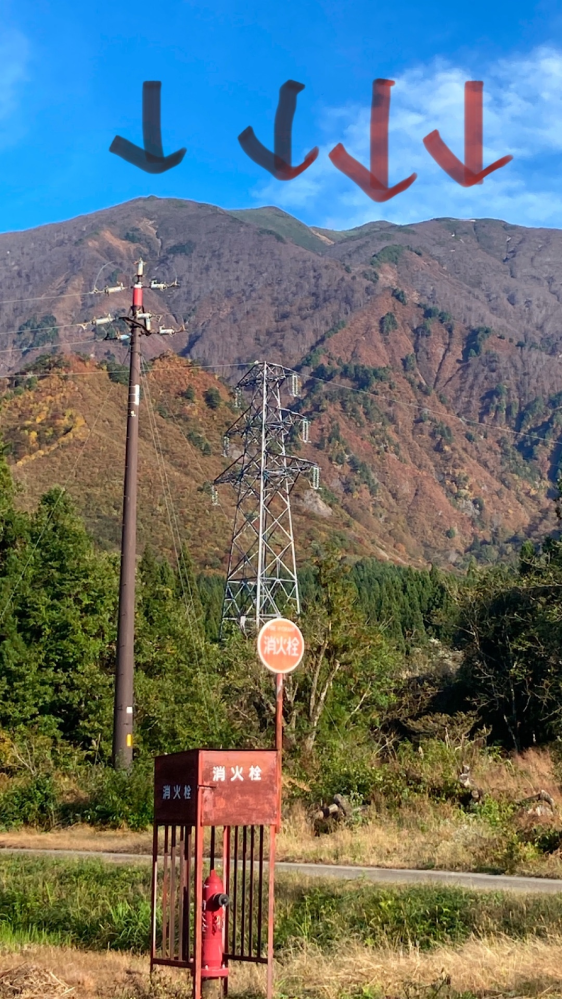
[(430, 357)]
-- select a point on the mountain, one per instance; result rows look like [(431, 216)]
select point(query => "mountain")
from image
[(430, 357)]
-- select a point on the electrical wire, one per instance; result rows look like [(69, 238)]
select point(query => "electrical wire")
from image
[(55, 505), (51, 298), (452, 416), (185, 582), (419, 406), (39, 329)]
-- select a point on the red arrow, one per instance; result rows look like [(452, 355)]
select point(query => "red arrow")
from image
[(374, 182), (470, 172)]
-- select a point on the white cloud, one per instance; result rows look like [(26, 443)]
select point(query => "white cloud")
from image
[(522, 116)]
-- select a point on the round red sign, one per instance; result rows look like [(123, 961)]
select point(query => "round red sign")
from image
[(280, 645)]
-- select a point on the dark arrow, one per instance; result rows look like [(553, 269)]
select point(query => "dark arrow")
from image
[(470, 172), (279, 162), (151, 158), (373, 182)]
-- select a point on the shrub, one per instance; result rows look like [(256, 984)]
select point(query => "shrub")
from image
[(371, 276), (212, 398), (272, 232), (388, 255), (31, 802), (117, 798), (118, 373), (184, 249), (388, 323), (399, 295)]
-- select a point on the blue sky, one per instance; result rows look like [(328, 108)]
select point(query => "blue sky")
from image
[(71, 79)]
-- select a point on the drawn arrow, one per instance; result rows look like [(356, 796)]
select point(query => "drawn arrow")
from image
[(278, 163), (470, 172), (374, 182), (151, 158)]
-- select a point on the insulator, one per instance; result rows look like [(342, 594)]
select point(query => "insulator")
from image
[(158, 285), (315, 477), (102, 321), (305, 430), (237, 398), (166, 331), (214, 496), (295, 385), (112, 289), (125, 337), (225, 446), (140, 267)]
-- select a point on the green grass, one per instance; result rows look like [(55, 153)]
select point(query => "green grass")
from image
[(85, 903), (98, 906)]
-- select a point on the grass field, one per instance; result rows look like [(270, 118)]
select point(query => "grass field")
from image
[(89, 923), (97, 906), (496, 968)]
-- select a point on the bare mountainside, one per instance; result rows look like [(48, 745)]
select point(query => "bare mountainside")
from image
[(431, 359)]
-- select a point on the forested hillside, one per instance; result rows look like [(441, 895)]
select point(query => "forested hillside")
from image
[(429, 357), (394, 655)]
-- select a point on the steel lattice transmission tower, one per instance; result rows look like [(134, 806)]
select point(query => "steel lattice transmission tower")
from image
[(262, 581)]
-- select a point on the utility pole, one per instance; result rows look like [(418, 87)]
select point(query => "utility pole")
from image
[(139, 323), (123, 704), (262, 580)]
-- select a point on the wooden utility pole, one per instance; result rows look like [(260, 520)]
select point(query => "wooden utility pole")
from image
[(123, 704), (139, 323)]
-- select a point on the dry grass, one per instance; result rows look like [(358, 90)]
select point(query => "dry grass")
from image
[(79, 837), (422, 834), (521, 775), (29, 981), (87, 973), (529, 967)]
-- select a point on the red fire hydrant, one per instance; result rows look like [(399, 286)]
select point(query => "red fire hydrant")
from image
[(214, 902)]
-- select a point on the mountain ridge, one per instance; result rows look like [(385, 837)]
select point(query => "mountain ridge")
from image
[(430, 356)]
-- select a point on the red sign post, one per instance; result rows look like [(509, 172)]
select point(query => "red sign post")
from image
[(280, 645), (214, 810), (280, 648)]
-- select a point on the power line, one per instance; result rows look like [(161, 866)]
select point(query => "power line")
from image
[(54, 507), (178, 551), (453, 416)]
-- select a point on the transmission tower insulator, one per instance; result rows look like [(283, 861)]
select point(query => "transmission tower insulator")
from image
[(102, 321), (237, 398), (113, 289), (315, 477), (305, 431), (225, 446), (295, 385), (214, 496)]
